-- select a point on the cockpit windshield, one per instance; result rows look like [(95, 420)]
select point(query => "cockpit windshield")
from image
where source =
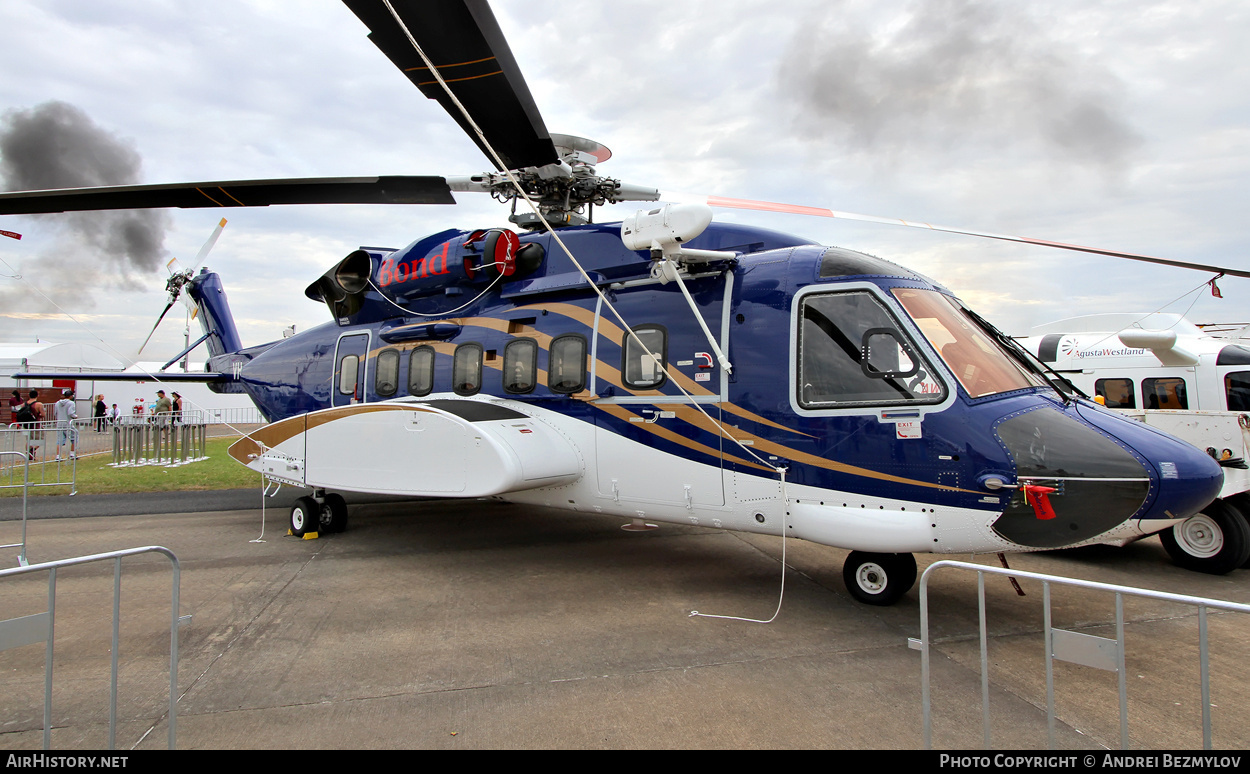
[(977, 361)]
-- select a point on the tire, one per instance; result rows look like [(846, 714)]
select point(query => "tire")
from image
[(1215, 541), (305, 516), (333, 514), (879, 579)]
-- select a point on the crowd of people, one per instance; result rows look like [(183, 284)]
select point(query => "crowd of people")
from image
[(29, 413), (103, 416)]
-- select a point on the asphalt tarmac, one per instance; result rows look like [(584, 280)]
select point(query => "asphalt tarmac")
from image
[(478, 625)]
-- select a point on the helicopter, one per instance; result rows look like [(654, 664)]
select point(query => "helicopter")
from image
[(665, 368)]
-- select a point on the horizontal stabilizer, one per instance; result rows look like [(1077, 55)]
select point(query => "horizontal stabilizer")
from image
[(196, 377)]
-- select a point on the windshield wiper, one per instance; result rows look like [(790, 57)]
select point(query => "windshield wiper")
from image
[(1026, 358)]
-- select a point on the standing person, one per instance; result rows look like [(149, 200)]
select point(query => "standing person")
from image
[(101, 408), (66, 412), (30, 414), (15, 400), (177, 408), (163, 406)]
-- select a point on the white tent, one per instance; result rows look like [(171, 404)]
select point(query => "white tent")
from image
[(87, 358)]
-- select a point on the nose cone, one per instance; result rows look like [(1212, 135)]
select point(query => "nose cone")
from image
[(1187, 478), (1103, 469)]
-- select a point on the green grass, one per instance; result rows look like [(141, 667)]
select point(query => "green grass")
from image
[(96, 476)]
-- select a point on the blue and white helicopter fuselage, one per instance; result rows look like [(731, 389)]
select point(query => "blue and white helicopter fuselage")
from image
[(902, 423)]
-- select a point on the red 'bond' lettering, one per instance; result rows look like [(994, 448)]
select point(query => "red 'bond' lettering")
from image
[(393, 271)]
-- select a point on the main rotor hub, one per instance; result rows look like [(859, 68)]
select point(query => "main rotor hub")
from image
[(565, 191)]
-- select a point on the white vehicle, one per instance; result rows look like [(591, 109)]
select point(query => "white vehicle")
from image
[(1190, 381)]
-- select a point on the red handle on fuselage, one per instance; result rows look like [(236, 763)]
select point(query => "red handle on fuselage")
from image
[(1040, 502)]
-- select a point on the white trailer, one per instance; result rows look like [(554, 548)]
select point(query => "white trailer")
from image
[(1187, 380)]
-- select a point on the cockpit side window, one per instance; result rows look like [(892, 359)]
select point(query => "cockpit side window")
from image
[(853, 352)]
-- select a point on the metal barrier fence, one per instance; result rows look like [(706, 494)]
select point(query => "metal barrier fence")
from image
[(43, 454), (41, 627), (161, 439), (249, 415), (25, 461), (1085, 649)]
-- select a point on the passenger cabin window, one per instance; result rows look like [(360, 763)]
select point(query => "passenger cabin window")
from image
[(1118, 393), (852, 352), (566, 364), (644, 368), (520, 366), (1164, 393), (1237, 390), (347, 374), (466, 369), (421, 371), (386, 373)]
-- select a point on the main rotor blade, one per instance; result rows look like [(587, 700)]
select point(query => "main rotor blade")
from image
[(466, 46), (391, 189), (821, 212)]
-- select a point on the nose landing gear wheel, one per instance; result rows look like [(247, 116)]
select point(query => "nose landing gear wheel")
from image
[(878, 579), (305, 516)]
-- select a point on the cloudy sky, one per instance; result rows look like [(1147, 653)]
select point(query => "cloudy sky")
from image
[(1101, 122)]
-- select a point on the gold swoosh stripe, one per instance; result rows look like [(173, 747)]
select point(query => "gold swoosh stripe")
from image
[(620, 412), (688, 414)]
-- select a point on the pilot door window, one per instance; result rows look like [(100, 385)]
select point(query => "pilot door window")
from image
[(645, 354), (1116, 393), (386, 373), (1164, 393), (566, 364), (466, 369), (852, 352)]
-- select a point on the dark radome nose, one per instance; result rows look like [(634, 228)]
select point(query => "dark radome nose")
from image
[(1096, 470), (1188, 479)]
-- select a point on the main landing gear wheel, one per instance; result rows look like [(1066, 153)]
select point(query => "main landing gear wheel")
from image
[(333, 514), (305, 516), (879, 579), (1215, 541)]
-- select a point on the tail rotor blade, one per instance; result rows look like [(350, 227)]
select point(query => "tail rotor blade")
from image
[(158, 322), (208, 245)]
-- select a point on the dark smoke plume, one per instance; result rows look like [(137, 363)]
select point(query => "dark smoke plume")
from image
[(56, 145), (956, 72)]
